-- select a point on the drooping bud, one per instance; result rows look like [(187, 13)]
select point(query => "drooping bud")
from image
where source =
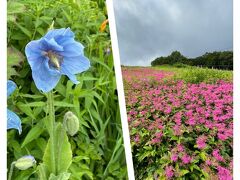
[(25, 162), (71, 123)]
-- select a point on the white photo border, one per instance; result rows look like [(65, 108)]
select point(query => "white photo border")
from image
[(121, 97)]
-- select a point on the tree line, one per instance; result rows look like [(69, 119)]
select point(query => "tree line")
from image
[(216, 60)]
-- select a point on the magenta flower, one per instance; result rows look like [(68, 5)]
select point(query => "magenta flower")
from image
[(216, 154), (186, 159), (180, 147), (137, 139), (174, 157), (169, 171), (160, 104), (224, 174), (208, 162), (222, 136), (201, 142)]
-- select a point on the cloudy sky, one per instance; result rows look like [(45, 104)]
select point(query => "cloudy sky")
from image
[(148, 29)]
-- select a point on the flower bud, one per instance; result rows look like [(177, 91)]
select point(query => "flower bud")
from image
[(71, 123), (51, 27), (25, 162)]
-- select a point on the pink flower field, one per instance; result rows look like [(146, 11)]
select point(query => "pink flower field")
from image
[(179, 130)]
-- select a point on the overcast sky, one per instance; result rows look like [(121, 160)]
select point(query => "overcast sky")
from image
[(148, 29)]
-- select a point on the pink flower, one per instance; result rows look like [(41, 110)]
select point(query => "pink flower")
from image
[(169, 171), (216, 154), (201, 142), (186, 159), (174, 157), (137, 139), (155, 140), (222, 136), (168, 110), (177, 130), (191, 121), (224, 174), (208, 162), (158, 134), (180, 147)]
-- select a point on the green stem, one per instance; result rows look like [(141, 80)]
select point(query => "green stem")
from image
[(11, 171), (51, 123)]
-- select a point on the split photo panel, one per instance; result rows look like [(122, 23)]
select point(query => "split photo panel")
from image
[(124, 89)]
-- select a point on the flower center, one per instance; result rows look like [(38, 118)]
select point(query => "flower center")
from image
[(55, 60)]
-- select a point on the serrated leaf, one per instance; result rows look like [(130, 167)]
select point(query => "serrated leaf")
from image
[(61, 151)]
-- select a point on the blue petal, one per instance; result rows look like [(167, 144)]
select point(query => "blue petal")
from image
[(11, 86), (13, 121), (51, 44), (76, 65), (34, 52), (71, 48), (71, 76), (45, 78), (59, 32)]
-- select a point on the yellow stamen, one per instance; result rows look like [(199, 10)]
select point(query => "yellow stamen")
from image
[(54, 60)]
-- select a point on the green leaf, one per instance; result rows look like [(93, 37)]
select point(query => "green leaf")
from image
[(62, 104), (14, 58), (183, 172), (24, 30), (31, 96), (205, 174), (34, 133), (42, 172), (35, 104), (11, 18), (14, 7), (79, 158), (26, 109), (62, 176), (62, 152), (203, 156), (80, 170)]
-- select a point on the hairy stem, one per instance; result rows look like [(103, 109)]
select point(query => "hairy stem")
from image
[(11, 170), (51, 119)]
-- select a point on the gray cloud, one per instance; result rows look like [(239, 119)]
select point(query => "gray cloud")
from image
[(148, 29)]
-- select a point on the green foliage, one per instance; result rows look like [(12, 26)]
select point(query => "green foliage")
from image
[(61, 151), (97, 148), (197, 75), (14, 58), (217, 60)]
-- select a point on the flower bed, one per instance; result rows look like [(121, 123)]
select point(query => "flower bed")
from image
[(179, 129)]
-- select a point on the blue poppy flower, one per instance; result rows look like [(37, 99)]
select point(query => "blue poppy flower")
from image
[(13, 121), (55, 54)]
